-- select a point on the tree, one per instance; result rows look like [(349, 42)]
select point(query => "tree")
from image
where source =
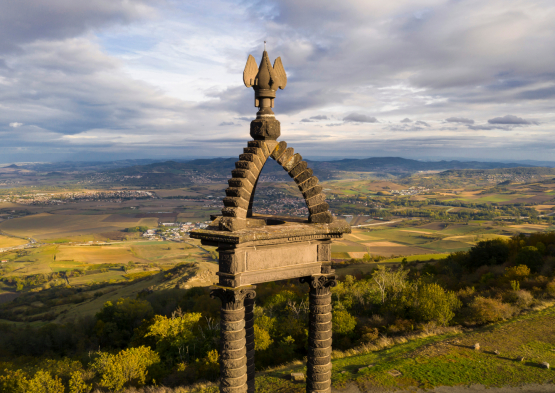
[(488, 252), (531, 257), (433, 303), (128, 366), (389, 280), (343, 322)]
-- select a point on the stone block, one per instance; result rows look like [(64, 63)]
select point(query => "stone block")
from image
[(304, 176), (312, 192), (245, 174), (322, 218), (228, 280), (261, 145), (233, 354), (545, 365), (234, 212), (324, 252), (323, 207), (320, 343), (232, 326), (270, 145), (248, 165), (233, 335), (308, 184), (298, 169), (279, 150), (321, 318), (292, 162), (227, 316), (265, 129), (321, 377), (234, 389), (236, 202), (232, 224), (232, 345), (231, 262), (320, 300), (238, 192), (315, 200), (319, 352), (320, 335), (256, 151), (520, 358), (286, 156), (235, 363), (476, 346), (317, 385), (316, 361), (320, 309), (227, 372), (231, 382), (297, 377), (322, 327), (239, 182)]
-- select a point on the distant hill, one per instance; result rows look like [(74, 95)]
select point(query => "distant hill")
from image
[(325, 170)]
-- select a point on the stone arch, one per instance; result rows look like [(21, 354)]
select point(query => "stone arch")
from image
[(242, 185)]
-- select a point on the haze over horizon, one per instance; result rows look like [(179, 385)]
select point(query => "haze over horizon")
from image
[(116, 79)]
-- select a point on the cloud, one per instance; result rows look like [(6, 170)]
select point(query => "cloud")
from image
[(314, 118), (244, 118), (538, 94), (422, 123), (15, 124), (360, 118), (226, 123), (406, 120), (485, 127), (462, 120), (510, 119)]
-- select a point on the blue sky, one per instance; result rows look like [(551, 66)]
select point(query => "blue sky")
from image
[(111, 79)]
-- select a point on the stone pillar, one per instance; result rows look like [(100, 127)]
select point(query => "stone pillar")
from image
[(319, 333), (249, 332), (233, 341)]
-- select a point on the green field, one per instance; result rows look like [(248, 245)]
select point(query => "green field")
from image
[(444, 360)]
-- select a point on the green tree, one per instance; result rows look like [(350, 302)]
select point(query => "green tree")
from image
[(433, 303), (129, 366), (262, 339), (42, 382), (531, 257), (343, 322), (77, 383)]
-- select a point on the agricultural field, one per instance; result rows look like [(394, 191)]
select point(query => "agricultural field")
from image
[(9, 241), (419, 241)]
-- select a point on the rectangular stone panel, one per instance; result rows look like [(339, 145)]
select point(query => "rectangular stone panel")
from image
[(260, 276), (262, 258)]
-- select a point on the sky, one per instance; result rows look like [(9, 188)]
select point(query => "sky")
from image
[(425, 79)]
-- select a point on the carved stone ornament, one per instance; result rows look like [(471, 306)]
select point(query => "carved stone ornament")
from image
[(233, 299), (319, 283)]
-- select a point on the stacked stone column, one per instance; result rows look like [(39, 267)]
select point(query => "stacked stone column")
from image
[(234, 338), (319, 334), (249, 332)]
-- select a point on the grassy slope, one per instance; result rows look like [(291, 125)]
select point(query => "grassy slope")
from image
[(445, 360)]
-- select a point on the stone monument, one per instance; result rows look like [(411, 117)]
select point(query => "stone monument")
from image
[(256, 248)]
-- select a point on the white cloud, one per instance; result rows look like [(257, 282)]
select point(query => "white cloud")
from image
[(15, 124)]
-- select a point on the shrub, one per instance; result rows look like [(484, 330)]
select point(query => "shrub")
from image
[(129, 366), (520, 298), (262, 339), (77, 384), (343, 322), (433, 303), (488, 252), (43, 382), (517, 272), (485, 310), (531, 257)]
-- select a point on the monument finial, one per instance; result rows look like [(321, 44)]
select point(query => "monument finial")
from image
[(265, 80)]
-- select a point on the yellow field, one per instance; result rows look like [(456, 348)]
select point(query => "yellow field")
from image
[(92, 255), (7, 241), (50, 226)]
